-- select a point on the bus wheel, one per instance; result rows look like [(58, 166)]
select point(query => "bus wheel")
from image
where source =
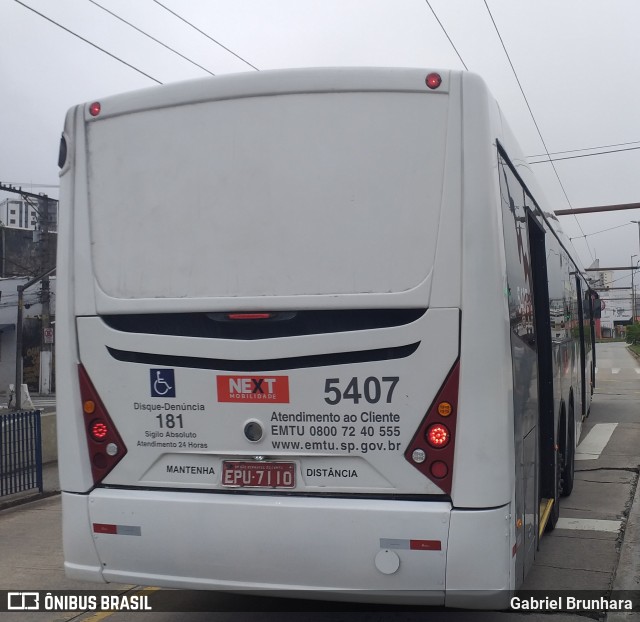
[(569, 457)]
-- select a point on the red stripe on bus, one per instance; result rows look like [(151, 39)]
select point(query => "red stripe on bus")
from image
[(103, 528), (425, 545)]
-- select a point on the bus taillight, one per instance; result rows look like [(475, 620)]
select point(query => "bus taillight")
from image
[(438, 435), (99, 430), (105, 445), (431, 450)]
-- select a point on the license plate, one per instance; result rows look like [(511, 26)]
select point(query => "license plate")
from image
[(259, 474)]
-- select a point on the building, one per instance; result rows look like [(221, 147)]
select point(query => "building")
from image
[(19, 213), (603, 279)]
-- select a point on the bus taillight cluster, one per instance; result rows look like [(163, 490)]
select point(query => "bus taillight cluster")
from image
[(431, 450), (105, 445)]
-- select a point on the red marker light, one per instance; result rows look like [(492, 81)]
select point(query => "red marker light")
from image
[(248, 316), (438, 435), (94, 109), (434, 80), (99, 430)]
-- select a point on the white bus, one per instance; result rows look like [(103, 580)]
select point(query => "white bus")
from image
[(317, 334)]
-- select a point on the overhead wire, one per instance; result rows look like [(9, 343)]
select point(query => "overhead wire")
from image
[(146, 34), (224, 47), (583, 155), (31, 185), (515, 73), (542, 155), (75, 34), (626, 224), (446, 34)]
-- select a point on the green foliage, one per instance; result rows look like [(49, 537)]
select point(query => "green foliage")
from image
[(633, 334)]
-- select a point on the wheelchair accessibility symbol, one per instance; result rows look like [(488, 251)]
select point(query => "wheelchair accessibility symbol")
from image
[(163, 383)]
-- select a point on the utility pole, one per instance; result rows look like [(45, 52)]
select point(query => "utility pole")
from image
[(19, 323), (638, 223), (633, 295), (42, 205), (594, 210), (45, 350)]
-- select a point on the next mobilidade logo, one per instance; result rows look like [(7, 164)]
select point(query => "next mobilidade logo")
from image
[(269, 389)]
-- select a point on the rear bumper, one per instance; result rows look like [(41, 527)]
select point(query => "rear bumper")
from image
[(343, 549), (253, 542)]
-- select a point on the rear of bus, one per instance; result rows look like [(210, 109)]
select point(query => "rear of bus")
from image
[(261, 382)]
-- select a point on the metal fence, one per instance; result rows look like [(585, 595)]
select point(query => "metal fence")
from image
[(20, 452)]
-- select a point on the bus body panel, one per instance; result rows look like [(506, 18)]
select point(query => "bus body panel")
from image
[(483, 534), (356, 445), (81, 560), (485, 436), (120, 209), (254, 193), (74, 296), (244, 543)]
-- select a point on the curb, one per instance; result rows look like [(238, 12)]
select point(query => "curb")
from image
[(627, 576), (26, 498), (632, 353)]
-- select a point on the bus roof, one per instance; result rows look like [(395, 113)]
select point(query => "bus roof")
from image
[(271, 82)]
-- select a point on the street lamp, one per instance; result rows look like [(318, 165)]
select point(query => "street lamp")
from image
[(634, 298), (638, 223), (632, 290)]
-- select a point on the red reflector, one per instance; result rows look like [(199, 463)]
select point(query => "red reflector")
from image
[(425, 545), (99, 430), (439, 469), (248, 316), (94, 109), (103, 528), (438, 435), (434, 80), (100, 461)]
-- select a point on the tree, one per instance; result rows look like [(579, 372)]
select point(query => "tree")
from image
[(633, 334)]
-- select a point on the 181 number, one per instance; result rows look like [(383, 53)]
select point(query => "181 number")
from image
[(169, 421), (372, 390)]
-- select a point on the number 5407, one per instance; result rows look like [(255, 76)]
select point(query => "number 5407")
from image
[(372, 389)]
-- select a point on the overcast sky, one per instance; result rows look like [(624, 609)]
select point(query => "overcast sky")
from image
[(577, 62)]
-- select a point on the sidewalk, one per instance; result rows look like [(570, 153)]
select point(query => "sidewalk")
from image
[(50, 479), (50, 486)]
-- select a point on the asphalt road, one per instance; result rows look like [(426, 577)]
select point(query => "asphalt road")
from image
[(596, 545)]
